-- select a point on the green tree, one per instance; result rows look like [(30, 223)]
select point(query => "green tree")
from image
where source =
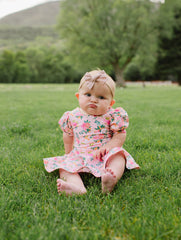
[(7, 67), (34, 58), (47, 65), (169, 54), (132, 72), (22, 71), (106, 33)]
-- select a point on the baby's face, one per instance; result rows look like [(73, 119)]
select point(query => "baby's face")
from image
[(95, 101)]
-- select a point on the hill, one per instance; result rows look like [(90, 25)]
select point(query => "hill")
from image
[(33, 26), (41, 15)]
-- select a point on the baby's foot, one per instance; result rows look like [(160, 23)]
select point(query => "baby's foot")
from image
[(69, 188), (109, 180)]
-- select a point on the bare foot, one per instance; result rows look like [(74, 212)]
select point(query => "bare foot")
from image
[(69, 188), (109, 180)]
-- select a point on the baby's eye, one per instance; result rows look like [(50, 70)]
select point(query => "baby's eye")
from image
[(101, 97), (87, 94)]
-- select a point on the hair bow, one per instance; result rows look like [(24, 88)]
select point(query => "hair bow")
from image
[(90, 80)]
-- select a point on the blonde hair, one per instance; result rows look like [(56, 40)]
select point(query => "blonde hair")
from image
[(95, 76)]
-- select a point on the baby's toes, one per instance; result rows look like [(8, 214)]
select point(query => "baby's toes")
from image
[(111, 172), (58, 184)]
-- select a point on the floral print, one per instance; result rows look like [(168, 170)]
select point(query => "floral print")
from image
[(90, 133)]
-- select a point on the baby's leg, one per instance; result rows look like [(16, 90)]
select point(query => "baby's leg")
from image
[(70, 183), (113, 172)]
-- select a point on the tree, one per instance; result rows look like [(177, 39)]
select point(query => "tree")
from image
[(22, 71), (106, 33), (7, 67), (169, 54)]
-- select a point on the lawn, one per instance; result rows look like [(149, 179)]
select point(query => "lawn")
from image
[(145, 203)]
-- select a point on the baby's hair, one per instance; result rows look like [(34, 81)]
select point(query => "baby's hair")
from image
[(98, 75)]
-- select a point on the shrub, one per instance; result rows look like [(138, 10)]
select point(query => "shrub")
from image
[(36, 66), (132, 73), (7, 67)]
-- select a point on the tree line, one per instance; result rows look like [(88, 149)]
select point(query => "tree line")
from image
[(36, 65), (131, 40)]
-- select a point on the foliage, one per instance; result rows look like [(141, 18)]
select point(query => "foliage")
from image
[(115, 30), (26, 33), (145, 204), (101, 33), (132, 73), (169, 55), (14, 38), (35, 65), (7, 67)]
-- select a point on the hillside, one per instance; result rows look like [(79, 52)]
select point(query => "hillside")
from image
[(33, 26), (41, 15)]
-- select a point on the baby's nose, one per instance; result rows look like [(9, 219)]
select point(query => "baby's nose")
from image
[(93, 99)]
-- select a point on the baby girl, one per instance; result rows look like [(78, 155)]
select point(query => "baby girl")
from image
[(93, 135)]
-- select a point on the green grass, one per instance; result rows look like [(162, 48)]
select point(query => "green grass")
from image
[(145, 203)]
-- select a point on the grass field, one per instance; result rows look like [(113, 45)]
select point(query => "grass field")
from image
[(144, 205)]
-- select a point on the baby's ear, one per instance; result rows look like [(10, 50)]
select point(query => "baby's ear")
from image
[(112, 102), (77, 95)]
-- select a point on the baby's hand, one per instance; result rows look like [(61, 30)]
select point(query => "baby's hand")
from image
[(99, 154)]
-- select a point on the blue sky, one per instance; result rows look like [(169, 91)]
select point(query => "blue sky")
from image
[(10, 6)]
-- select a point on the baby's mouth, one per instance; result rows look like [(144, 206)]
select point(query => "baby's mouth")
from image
[(92, 105)]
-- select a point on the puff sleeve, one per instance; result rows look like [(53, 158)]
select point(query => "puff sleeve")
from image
[(119, 120), (65, 124)]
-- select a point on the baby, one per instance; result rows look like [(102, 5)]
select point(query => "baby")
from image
[(93, 136)]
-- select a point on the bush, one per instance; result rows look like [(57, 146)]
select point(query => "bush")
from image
[(35, 66), (7, 67), (132, 73), (21, 68)]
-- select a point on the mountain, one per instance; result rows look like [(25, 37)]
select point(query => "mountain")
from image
[(31, 27), (39, 16)]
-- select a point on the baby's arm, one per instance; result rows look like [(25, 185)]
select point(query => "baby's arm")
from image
[(68, 142), (117, 140)]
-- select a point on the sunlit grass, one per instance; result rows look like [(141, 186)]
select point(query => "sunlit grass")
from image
[(144, 205)]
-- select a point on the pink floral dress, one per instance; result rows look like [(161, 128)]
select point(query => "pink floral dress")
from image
[(90, 133)]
